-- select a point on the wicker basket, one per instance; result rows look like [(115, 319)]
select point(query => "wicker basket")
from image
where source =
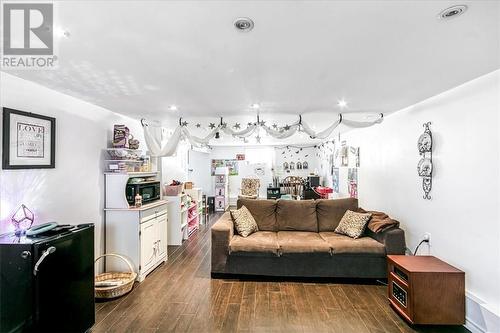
[(126, 278)]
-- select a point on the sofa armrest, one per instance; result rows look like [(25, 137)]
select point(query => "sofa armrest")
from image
[(393, 240), (222, 232)]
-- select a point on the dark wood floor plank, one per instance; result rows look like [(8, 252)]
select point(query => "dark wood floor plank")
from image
[(247, 309), (318, 308), (180, 296), (230, 323), (263, 319), (291, 321)]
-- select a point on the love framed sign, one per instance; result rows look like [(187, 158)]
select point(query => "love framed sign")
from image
[(28, 140)]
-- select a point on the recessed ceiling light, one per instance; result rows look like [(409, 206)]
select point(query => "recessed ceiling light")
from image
[(172, 107), (255, 106), (243, 24), (452, 12), (342, 103)]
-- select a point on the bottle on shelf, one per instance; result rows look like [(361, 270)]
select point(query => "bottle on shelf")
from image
[(138, 200)]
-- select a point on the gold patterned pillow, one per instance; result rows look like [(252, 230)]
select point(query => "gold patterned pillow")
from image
[(244, 222), (353, 224)]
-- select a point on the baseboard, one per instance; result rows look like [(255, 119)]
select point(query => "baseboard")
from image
[(479, 318)]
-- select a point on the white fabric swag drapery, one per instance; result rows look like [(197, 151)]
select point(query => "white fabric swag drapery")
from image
[(154, 142)]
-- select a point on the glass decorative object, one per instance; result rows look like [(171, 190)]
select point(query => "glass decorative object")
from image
[(23, 218)]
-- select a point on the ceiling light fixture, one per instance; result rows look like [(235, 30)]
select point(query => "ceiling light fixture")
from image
[(243, 24), (342, 103), (172, 107), (452, 12)]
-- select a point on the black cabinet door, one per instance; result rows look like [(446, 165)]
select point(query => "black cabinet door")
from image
[(15, 287), (64, 283)]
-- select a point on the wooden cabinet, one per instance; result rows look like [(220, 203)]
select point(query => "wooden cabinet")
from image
[(426, 290), (140, 234)]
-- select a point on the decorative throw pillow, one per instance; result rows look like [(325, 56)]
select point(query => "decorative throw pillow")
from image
[(244, 222), (353, 224)]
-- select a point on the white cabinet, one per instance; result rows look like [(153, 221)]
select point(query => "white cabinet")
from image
[(140, 234), (162, 234), (177, 219), (148, 239)]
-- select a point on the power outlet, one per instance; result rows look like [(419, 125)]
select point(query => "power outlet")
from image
[(427, 237)]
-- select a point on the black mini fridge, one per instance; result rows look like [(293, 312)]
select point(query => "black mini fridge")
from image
[(47, 281)]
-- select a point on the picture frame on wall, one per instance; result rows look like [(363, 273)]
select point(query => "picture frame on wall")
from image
[(28, 140)]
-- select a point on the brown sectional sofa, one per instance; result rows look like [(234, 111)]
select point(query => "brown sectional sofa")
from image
[(297, 238)]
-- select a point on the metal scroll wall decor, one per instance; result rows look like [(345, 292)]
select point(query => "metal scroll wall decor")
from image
[(425, 164)]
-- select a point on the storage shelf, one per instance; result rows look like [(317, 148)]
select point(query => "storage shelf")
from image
[(126, 161), (126, 149), (192, 218), (190, 231), (133, 174)]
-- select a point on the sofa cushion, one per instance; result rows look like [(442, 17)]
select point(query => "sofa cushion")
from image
[(244, 223), (260, 242), (330, 212), (296, 215), (302, 242), (263, 211), (342, 244), (353, 224)]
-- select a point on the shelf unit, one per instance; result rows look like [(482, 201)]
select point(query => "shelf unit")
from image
[(193, 219), (177, 219), (115, 184), (123, 160), (196, 194), (139, 233), (221, 189)]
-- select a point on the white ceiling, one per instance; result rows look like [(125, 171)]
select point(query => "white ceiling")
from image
[(138, 57)]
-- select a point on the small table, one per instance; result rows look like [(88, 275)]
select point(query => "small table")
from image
[(426, 290)]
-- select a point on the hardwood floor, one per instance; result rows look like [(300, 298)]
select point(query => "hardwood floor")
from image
[(180, 296)]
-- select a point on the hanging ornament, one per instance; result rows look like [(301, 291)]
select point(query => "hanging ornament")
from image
[(237, 126), (275, 126), (198, 125), (286, 127), (184, 123), (223, 125), (250, 124), (212, 125), (257, 139)]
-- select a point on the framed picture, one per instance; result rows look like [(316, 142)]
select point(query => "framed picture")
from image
[(29, 140)]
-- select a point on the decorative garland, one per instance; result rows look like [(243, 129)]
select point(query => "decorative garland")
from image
[(182, 132)]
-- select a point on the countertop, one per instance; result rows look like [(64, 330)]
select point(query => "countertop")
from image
[(143, 207)]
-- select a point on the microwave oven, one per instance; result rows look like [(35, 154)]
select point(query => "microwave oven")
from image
[(149, 191)]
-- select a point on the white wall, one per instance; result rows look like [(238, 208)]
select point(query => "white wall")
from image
[(463, 216), (72, 192), (283, 154)]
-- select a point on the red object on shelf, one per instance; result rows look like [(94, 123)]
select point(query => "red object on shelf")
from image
[(323, 191)]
